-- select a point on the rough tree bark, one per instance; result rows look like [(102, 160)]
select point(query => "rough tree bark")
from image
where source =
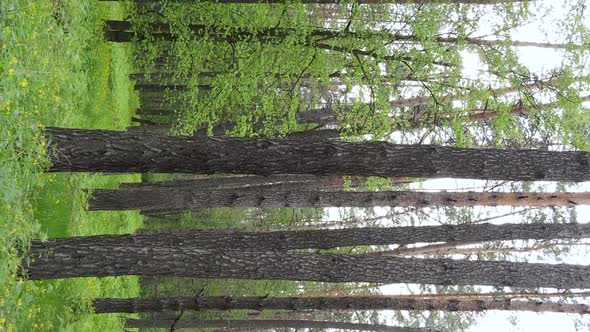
[(322, 238), (120, 152), (310, 196), (474, 2), (374, 302), (265, 324), (228, 182), (99, 261)]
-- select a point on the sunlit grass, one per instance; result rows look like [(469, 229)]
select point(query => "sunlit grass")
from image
[(55, 70)]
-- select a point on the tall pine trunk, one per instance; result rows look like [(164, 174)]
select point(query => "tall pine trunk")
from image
[(291, 196), (318, 239), (264, 324), (162, 29), (474, 2), (227, 182), (99, 261), (375, 302), (120, 152)]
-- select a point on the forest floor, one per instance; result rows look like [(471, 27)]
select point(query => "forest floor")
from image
[(55, 70)]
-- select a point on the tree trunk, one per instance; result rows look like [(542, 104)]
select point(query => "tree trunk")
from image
[(158, 112), (161, 88), (228, 182), (315, 134), (325, 116), (121, 152), (264, 324), (322, 238), (527, 295), (309, 196), (101, 261), (162, 30), (453, 250), (170, 76), (403, 2), (328, 115), (374, 302)]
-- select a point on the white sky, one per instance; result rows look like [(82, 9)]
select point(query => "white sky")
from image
[(538, 60)]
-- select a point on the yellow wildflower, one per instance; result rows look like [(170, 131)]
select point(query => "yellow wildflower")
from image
[(10, 71), (13, 61), (23, 83)]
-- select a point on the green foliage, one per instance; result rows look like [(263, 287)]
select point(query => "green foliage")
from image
[(55, 70), (263, 65)]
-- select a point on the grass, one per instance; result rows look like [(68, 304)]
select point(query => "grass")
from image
[(56, 71)]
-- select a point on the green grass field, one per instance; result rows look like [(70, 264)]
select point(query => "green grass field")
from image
[(55, 70)]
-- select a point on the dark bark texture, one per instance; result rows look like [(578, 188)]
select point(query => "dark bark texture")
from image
[(378, 302), (320, 239), (73, 261), (474, 2), (315, 134), (265, 324), (236, 182), (292, 196), (82, 150)]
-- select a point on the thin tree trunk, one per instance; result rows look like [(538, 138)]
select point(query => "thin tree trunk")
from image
[(482, 114), (373, 54), (427, 249), (104, 260), (264, 324), (327, 115), (448, 296), (373, 302), (229, 182), (145, 128), (453, 250), (309, 196), (121, 31), (144, 121), (169, 76), (161, 28), (322, 238), (161, 88), (85, 150)]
